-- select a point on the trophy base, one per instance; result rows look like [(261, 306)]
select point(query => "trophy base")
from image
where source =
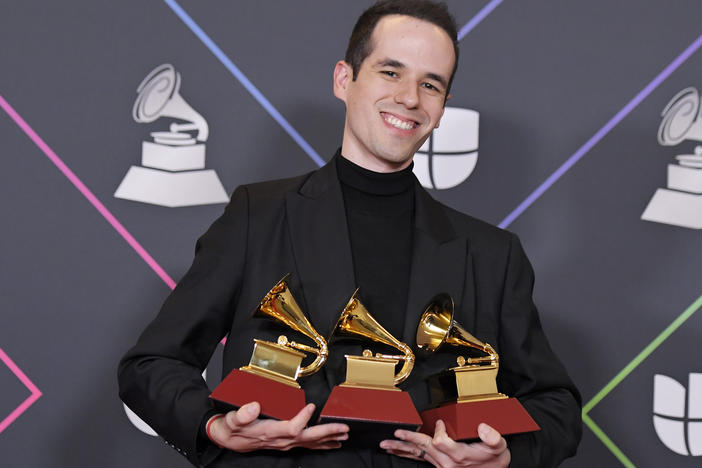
[(277, 400), (372, 415), (506, 415)]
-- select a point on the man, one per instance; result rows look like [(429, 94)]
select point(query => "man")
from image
[(362, 220)]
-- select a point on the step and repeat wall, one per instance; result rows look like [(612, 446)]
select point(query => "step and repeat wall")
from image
[(126, 125)]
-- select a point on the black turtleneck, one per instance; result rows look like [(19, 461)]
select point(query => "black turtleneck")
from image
[(380, 218)]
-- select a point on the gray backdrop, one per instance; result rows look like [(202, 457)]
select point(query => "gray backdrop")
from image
[(552, 80)]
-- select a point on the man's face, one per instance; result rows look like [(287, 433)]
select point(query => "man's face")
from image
[(398, 96)]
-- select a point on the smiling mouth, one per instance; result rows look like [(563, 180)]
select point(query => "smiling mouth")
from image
[(399, 123)]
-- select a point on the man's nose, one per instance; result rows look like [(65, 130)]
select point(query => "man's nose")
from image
[(407, 95)]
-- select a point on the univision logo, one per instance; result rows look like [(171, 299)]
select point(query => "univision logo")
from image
[(677, 414), (450, 153)]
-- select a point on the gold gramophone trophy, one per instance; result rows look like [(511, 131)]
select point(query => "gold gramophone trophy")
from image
[(369, 401), (271, 376), (466, 395)]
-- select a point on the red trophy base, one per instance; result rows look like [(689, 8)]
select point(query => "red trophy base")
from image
[(278, 401), (507, 416), (372, 415)]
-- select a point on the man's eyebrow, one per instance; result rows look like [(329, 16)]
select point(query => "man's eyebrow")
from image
[(388, 62)]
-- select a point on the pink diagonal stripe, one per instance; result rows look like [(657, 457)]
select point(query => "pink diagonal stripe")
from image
[(35, 392), (87, 193)]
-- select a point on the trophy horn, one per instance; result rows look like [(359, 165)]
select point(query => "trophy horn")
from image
[(280, 305), (355, 321), (438, 326), (465, 396)]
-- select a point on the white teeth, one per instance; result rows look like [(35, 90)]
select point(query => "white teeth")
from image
[(397, 123)]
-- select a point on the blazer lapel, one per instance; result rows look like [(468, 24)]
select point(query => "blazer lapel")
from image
[(440, 263), (322, 251)]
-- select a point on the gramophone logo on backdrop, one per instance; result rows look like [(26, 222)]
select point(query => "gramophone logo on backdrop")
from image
[(450, 153), (677, 414), (172, 171), (680, 204)]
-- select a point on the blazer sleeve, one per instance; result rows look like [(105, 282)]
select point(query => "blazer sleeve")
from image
[(530, 371), (160, 378)]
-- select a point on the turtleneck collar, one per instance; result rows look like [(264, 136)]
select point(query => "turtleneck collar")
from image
[(375, 183)]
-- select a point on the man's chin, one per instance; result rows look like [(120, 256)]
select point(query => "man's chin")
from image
[(395, 155), (399, 161)]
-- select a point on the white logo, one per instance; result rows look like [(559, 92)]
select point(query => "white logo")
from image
[(677, 418), (173, 165), (450, 153), (681, 203)]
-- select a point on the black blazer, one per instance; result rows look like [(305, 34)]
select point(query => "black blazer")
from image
[(298, 226)]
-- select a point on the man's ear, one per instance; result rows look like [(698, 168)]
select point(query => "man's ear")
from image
[(343, 75)]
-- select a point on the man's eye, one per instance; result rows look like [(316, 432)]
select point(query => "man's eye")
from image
[(389, 73), (430, 87)]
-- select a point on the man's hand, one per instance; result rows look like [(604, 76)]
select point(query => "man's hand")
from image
[(242, 431), (442, 451)]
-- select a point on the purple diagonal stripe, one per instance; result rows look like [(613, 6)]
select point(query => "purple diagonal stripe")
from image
[(601, 133), (474, 21)]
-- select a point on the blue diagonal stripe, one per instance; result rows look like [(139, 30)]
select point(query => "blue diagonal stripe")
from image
[(474, 21), (226, 61), (601, 133)]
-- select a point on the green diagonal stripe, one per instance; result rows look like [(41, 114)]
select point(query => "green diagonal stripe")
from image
[(624, 373), (643, 354), (607, 441)]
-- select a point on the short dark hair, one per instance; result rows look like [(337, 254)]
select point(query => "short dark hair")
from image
[(360, 45)]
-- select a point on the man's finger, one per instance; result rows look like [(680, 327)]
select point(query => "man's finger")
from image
[(443, 442), (407, 450), (491, 438), (243, 416), (288, 429), (440, 433), (298, 423), (416, 438), (325, 432), (335, 437), (404, 449), (424, 443)]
